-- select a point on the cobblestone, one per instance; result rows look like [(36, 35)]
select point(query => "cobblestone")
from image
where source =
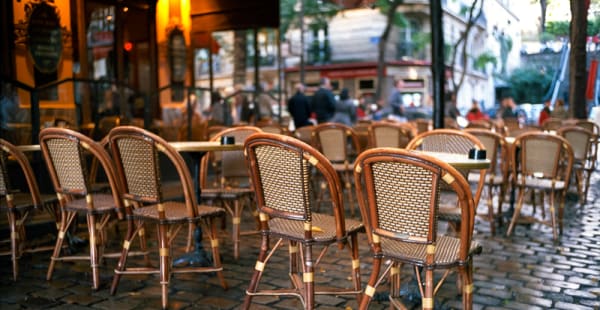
[(525, 271)]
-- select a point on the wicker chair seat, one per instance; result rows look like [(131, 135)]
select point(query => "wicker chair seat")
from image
[(447, 254), (540, 183), (103, 203), (175, 212), (323, 228), (21, 201), (489, 179)]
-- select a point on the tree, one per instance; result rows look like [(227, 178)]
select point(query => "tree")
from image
[(543, 7), (388, 8), (462, 44), (577, 59)]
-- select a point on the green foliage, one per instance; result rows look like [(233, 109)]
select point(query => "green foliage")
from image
[(315, 12), (483, 59), (530, 84), (558, 28)]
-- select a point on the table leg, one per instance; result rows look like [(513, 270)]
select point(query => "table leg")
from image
[(199, 256)]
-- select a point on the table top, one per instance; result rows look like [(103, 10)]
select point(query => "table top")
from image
[(460, 161), (204, 146)]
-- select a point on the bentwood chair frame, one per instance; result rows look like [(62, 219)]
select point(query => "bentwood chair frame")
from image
[(281, 170), (136, 155), (331, 139), (19, 205), (398, 194), (544, 162), (455, 142), (552, 123), (497, 151), (387, 134), (582, 141), (65, 154), (234, 190), (304, 134)]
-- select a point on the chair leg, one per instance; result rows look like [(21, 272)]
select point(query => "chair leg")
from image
[(553, 216), (13, 220), (65, 222), (94, 256), (308, 278), (501, 197), (121, 265), (371, 285), (490, 215), (517, 212), (427, 299), (235, 234), (214, 243), (466, 274), (258, 271), (164, 250), (355, 266)]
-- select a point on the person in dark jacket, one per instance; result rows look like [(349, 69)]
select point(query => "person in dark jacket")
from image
[(299, 107), (323, 102)]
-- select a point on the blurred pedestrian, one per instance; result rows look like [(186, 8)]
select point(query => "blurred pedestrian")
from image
[(509, 108), (545, 113), (451, 108), (345, 110), (265, 104), (323, 102), (559, 110), (219, 111), (299, 107), (475, 112), (395, 102)]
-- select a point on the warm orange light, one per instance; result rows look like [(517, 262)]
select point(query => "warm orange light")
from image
[(128, 46)]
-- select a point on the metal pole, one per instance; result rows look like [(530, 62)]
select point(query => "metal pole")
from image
[(301, 17), (279, 75), (437, 62)]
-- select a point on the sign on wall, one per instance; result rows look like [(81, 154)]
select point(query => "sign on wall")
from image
[(44, 37)]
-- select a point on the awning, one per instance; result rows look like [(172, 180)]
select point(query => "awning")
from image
[(220, 15)]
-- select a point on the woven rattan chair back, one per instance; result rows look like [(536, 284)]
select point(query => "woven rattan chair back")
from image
[(65, 153), (540, 154), (332, 140), (136, 154), (398, 193), (589, 125), (495, 146), (280, 168), (386, 134), (422, 125), (233, 164), (552, 124), (445, 141), (283, 179), (304, 134), (580, 140)]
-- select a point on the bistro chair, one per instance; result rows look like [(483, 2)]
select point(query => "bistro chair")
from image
[(362, 132), (65, 153), (544, 165), (552, 124), (280, 168), (19, 205), (387, 134), (234, 190), (304, 133), (496, 179), (584, 157), (454, 142), (136, 154), (398, 195), (332, 139)]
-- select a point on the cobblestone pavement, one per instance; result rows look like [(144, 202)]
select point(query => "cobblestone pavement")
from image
[(525, 271)]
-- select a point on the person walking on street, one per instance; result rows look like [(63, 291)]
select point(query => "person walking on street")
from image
[(395, 103), (299, 107), (323, 102), (345, 110)]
